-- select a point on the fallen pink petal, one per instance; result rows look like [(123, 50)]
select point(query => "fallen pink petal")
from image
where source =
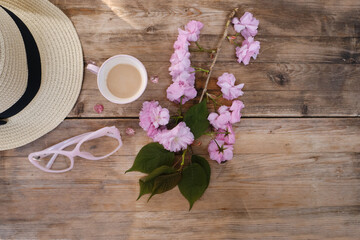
[(154, 79), (99, 108), (130, 131)]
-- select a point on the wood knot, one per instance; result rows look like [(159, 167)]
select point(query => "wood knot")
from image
[(79, 108), (150, 29), (350, 57), (304, 109), (279, 78), (192, 11)]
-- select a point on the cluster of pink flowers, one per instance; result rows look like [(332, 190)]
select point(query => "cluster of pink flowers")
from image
[(221, 148), (183, 75), (247, 25), (154, 118)]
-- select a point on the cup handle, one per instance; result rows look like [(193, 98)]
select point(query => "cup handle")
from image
[(93, 68)]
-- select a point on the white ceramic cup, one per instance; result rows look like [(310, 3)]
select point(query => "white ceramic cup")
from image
[(103, 71)]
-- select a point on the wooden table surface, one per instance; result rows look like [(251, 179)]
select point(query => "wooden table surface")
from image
[(296, 169)]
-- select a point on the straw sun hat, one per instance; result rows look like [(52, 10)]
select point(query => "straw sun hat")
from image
[(41, 70)]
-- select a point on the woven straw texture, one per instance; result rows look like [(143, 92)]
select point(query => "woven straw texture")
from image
[(12, 53), (62, 72)]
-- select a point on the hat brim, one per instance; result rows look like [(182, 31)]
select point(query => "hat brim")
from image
[(62, 72)]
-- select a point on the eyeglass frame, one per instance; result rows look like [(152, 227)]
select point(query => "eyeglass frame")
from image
[(57, 149)]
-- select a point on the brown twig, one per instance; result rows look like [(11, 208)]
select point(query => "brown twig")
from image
[(218, 48)]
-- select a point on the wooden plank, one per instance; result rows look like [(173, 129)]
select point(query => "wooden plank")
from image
[(270, 90), (290, 178), (284, 18), (303, 225), (255, 136), (258, 104), (274, 49), (267, 181), (262, 77), (108, 35)]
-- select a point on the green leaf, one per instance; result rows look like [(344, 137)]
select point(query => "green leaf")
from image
[(147, 183), (165, 183), (193, 183), (157, 172), (150, 157), (145, 188), (196, 119), (204, 164)]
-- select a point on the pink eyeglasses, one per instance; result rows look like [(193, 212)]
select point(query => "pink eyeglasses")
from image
[(65, 159)]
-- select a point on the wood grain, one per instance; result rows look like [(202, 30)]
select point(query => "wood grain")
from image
[(289, 177), (279, 18), (312, 72), (296, 168), (274, 49), (270, 90), (283, 135)]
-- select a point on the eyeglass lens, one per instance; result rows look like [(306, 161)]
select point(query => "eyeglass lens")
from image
[(54, 162), (100, 147)]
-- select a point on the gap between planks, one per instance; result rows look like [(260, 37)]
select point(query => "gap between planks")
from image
[(247, 117)]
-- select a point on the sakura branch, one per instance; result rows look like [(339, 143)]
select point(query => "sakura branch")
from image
[(218, 48), (170, 161)]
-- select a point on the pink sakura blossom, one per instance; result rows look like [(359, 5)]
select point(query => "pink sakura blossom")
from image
[(181, 42), (220, 121), (193, 28), (249, 48), (175, 139), (180, 55), (220, 151), (228, 88), (227, 134), (130, 131), (181, 90), (180, 59), (178, 68), (152, 116), (144, 115), (152, 131), (186, 76), (226, 115), (235, 109), (247, 25), (159, 116)]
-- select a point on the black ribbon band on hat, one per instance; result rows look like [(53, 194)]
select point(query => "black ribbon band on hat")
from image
[(34, 70)]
